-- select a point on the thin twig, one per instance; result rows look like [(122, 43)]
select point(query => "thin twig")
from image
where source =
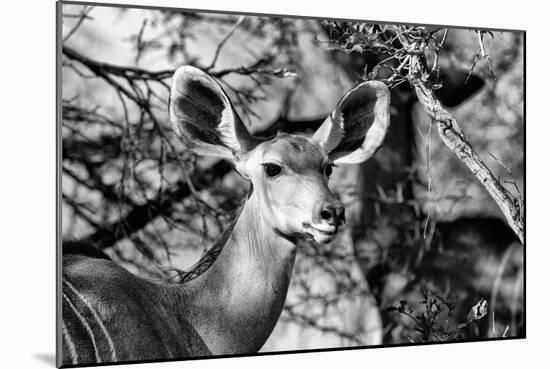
[(81, 17), (224, 40)]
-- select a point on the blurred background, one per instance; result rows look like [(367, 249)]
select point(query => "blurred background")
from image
[(428, 255)]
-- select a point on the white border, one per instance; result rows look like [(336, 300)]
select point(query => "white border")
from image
[(28, 182)]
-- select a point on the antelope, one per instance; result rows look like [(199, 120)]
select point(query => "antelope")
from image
[(231, 307)]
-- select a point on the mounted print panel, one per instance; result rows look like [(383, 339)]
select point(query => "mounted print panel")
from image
[(241, 184)]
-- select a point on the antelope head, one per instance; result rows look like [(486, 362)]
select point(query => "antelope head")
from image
[(288, 173)]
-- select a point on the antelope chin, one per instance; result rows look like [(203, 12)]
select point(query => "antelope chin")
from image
[(321, 233)]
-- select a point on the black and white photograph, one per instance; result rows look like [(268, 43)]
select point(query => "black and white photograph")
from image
[(237, 184)]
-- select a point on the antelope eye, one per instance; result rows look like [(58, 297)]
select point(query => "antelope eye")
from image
[(272, 170), (328, 169)]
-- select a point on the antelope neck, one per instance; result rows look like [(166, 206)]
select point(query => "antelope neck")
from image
[(235, 304)]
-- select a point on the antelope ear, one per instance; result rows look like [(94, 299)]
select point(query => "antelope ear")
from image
[(357, 126), (203, 117)]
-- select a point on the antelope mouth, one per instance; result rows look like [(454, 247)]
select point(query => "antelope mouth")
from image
[(320, 233)]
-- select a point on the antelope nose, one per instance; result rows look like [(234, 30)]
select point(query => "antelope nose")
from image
[(333, 214)]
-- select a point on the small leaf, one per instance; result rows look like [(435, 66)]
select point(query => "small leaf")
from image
[(478, 311)]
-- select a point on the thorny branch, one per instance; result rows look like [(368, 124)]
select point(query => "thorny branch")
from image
[(408, 50)]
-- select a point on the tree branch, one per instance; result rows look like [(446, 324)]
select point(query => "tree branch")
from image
[(135, 73), (224, 40), (140, 216), (453, 136), (121, 71)]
